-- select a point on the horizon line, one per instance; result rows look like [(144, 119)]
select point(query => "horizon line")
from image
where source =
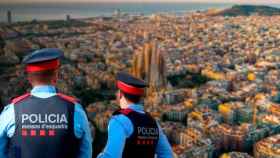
[(156, 1)]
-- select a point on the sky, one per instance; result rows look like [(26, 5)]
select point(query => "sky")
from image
[(226, 1)]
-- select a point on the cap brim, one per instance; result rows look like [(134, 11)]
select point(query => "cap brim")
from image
[(43, 55)]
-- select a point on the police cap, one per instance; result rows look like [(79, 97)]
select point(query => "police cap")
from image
[(130, 84), (43, 59)]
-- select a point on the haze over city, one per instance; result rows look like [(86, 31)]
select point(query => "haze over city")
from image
[(145, 1)]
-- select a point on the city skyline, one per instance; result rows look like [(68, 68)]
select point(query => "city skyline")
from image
[(146, 1)]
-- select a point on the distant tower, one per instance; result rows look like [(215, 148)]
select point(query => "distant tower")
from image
[(117, 13), (149, 64), (9, 17), (68, 17)]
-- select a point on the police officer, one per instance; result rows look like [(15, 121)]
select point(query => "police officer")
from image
[(44, 123), (133, 133)]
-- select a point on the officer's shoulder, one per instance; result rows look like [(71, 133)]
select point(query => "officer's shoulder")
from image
[(123, 112), (121, 116), (122, 121), (18, 99), (68, 98)]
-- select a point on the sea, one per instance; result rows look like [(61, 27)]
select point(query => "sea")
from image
[(56, 11)]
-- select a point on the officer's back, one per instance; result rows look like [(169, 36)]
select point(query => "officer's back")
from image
[(132, 132), (44, 123)]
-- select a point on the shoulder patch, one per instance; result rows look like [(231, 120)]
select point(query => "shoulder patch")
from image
[(20, 98), (124, 111), (68, 98)]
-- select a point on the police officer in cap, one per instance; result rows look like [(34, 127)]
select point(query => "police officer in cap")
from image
[(133, 133), (44, 123)]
